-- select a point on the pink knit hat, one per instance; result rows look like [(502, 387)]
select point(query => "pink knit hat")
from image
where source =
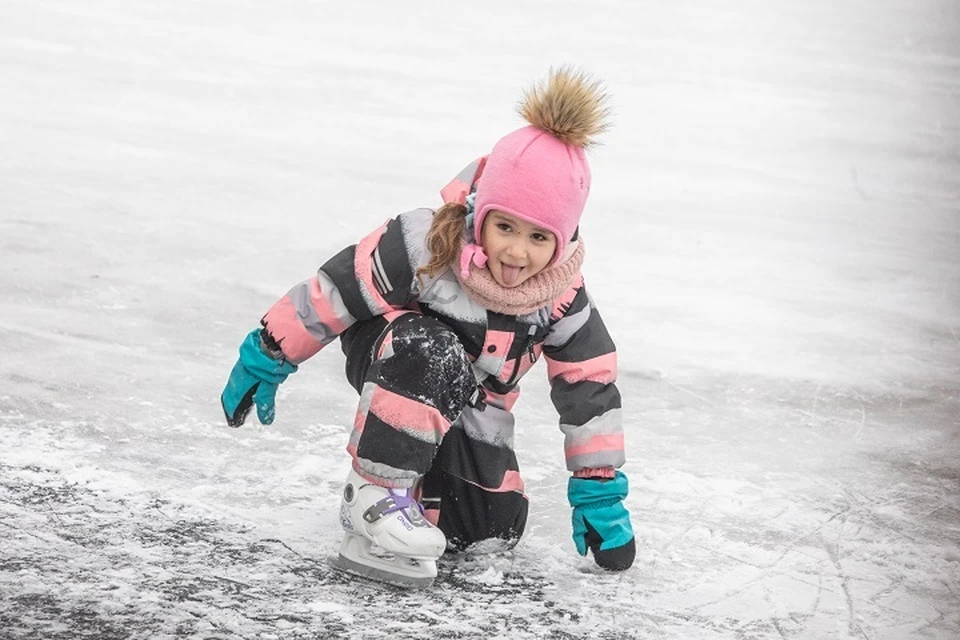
[(540, 173), (533, 175)]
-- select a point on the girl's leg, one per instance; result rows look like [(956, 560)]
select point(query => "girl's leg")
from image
[(414, 379), (473, 491)]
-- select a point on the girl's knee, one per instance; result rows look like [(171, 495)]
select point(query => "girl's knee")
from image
[(427, 342), (425, 357)]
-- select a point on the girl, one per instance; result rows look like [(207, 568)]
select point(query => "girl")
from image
[(439, 314)]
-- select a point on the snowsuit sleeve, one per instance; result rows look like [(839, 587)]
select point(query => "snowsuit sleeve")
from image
[(582, 368), (371, 278)]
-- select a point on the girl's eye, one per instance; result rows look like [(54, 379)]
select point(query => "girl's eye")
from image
[(539, 237), (503, 226)]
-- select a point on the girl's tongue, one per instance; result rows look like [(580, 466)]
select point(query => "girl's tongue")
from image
[(509, 274)]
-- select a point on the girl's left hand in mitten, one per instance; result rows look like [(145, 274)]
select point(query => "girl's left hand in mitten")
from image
[(601, 522)]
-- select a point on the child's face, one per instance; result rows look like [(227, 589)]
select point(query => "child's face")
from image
[(516, 250)]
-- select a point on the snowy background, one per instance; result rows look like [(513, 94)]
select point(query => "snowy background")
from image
[(773, 238)]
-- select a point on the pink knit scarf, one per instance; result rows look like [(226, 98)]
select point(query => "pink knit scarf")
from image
[(532, 294)]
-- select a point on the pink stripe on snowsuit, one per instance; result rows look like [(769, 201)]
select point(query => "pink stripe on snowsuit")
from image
[(602, 369), (295, 341), (363, 268), (405, 414), (596, 444), (305, 313), (512, 481), (503, 401)]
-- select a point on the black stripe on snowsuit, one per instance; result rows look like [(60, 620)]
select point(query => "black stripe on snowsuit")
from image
[(590, 341), (579, 403), (340, 270), (383, 444), (393, 273)]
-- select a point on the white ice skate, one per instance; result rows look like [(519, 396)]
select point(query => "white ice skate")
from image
[(386, 536)]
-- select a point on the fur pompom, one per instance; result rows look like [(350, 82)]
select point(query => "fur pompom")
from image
[(570, 104)]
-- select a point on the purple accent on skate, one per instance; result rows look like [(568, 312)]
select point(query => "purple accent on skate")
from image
[(403, 501), (394, 502)]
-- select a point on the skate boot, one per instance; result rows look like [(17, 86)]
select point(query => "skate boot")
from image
[(386, 536)]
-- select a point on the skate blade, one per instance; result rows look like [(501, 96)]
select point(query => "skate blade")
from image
[(383, 573)]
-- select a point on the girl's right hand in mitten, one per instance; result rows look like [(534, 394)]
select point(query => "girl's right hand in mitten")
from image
[(601, 522), (254, 380)]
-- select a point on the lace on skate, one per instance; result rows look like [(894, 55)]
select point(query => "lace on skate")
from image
[(392, 503)]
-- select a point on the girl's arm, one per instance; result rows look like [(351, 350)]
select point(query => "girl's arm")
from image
[(371, 278), (582, 368)]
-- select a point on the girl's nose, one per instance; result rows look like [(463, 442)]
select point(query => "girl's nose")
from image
[(516, 249)]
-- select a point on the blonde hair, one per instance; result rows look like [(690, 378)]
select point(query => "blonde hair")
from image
[(444, 238)]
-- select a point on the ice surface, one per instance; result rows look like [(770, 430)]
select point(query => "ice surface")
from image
[(773, 238)]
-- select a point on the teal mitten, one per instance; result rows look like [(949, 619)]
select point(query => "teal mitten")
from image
[(254, 380), (601, 522)]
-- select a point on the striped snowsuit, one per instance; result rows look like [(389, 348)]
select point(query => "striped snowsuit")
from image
[(437, 375)]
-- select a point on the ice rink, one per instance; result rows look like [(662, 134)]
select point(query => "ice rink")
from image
[(773, 238)]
